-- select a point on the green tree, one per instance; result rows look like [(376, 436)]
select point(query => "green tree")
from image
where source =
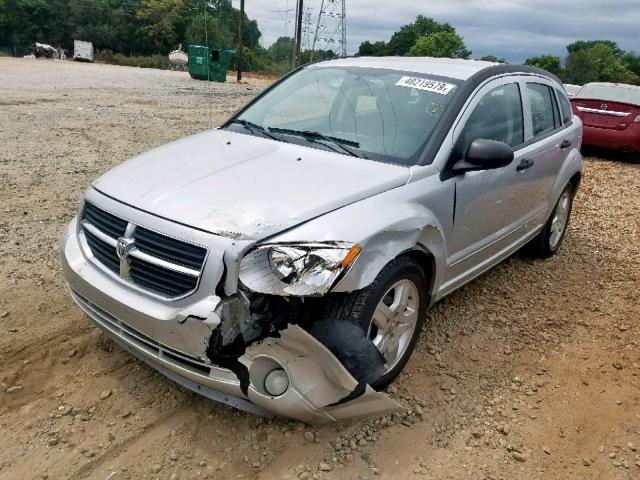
[(586, 44), (597, 63), (109, 24), (402, 40), (281, 50), (440, 44), (550, 63), (157, 23), (3, 22), (493, 58), (631, 60), (131, 27), (217, 35), (307, 56), (29, 21), (375, 49)]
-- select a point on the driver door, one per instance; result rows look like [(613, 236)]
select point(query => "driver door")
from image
[(490, 207)]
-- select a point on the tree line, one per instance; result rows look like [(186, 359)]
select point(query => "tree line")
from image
[(587, 61), (136, 27), (129, 27), (592, 61), (155, 27), (143, 29)]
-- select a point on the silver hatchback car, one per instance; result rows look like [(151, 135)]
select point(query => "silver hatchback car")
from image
[(284, 262)]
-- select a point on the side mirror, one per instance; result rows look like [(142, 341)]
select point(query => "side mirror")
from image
[(485, 154)]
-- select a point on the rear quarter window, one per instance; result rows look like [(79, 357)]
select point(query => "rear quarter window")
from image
[(544, 109), (565, 107)]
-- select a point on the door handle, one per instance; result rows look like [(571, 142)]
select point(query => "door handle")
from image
[(524, 164), (565, 144)]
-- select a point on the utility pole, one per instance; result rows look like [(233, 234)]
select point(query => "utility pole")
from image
[(240, 31), (298, 30)]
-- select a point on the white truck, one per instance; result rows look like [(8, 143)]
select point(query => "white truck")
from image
[(82, 51)]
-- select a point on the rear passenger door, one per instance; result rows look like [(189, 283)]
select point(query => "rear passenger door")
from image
[(548, 142)]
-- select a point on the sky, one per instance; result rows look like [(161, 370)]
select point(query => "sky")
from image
[(514, 29)]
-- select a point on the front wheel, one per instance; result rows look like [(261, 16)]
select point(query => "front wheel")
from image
[(389, 313), (548, 240)]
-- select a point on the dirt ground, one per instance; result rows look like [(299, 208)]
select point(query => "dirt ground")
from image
[(530, 372)]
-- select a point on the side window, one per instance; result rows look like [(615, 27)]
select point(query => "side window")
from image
[(544, 109), (498, 116), (565, 107)]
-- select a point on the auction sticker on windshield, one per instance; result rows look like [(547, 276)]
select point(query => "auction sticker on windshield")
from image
[(425, 84)]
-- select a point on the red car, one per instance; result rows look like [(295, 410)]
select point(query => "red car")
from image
[(610, 114)]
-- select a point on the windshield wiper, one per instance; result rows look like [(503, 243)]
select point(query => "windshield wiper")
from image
[(314, 136), (253, 127)]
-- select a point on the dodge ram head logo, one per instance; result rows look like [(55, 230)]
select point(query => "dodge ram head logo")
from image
[(123, 249)]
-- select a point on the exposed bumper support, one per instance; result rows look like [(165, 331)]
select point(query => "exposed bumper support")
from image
[(174, 340)]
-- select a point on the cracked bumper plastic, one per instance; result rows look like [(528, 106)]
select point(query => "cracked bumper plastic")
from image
[(174, 341)]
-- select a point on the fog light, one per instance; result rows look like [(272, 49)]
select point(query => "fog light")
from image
[(276, 382)]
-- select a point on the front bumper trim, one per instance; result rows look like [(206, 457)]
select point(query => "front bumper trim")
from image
[(165, 361)]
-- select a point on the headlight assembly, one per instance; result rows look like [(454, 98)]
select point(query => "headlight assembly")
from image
[(305, 269)]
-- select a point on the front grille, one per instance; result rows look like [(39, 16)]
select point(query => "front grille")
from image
[(104, 221), (103, 252), (161, 279), (153, 261), (169, 249)]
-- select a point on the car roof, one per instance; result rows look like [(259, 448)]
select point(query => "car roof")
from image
[(471, 72), (615, 85), (456, 68)]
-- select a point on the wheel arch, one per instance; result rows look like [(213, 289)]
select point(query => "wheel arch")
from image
[(424, 244), (575, 181), (571, 171), (427, 263)]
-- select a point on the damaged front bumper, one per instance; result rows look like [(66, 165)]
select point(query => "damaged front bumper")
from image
[(176, 341)]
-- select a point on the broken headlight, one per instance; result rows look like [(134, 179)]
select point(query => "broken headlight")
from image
[(306, 269)]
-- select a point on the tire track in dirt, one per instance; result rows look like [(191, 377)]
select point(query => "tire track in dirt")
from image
[(130, 449)]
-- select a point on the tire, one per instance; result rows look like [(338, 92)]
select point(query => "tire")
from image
[(548, 240), (358, 308)]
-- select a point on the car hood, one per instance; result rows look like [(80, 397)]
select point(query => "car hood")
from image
[(244, 186)]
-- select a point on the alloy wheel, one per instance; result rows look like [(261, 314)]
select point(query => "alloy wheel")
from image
[(560, 219), (394, 321)]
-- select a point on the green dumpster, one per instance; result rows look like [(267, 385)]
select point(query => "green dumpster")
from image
[(206, 63)]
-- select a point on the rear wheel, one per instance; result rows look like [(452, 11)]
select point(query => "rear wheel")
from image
[(548, 241), (389, 313)]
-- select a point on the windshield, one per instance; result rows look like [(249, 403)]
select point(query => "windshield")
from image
[(610, 93), (383, 115)]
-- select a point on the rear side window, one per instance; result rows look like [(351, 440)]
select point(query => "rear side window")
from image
[(565, 107), (544, 109), (498, 116)]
